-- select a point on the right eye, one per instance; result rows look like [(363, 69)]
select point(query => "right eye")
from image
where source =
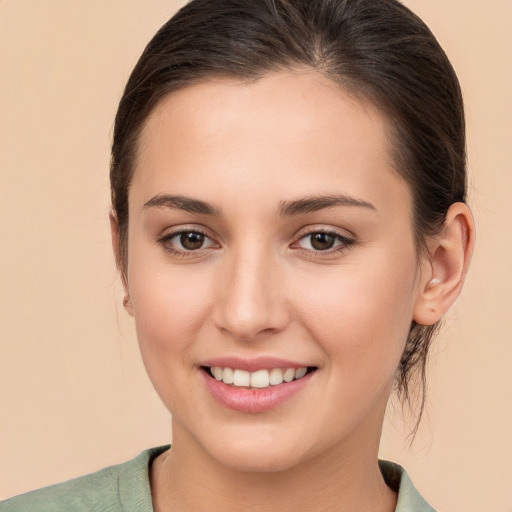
[(183, 242)]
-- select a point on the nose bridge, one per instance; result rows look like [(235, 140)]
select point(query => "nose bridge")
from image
[(251, 299)]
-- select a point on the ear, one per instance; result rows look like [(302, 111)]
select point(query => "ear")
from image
[(444, 271), (114, 231)]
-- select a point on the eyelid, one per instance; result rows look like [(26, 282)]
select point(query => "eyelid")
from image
[(331, 230), (169, 233), (347, 240)]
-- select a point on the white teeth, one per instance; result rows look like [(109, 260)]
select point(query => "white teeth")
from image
[(217, 372), (258, 379), (300, 372), (241, 378), (289, 374), (276, 376), (228, 376)]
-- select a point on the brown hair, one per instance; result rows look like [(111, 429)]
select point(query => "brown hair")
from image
[(376, 49)]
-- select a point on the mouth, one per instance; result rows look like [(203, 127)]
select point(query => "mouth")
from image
[(259, 379)]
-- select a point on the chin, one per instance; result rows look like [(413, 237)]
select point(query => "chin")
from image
[(257, 459), (259, 450)]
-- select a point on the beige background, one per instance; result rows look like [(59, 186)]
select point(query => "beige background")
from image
[(73, 394)]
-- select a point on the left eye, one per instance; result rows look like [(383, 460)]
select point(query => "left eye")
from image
[(187, 241), (322, 241)]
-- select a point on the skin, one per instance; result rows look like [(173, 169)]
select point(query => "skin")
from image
[(258, 287)]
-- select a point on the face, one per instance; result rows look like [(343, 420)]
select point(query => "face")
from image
[(272, 271)]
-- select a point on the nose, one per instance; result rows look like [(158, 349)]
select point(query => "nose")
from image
[(252, 297)]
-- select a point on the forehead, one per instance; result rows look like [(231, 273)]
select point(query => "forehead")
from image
[(298, 129)]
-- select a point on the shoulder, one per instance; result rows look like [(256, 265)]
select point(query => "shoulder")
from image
[(84, 493), (122, 488), (409, 499)]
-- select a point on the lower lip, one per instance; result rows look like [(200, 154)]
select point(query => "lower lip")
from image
[(254, 400)]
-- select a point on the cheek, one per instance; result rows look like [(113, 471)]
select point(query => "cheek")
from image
[(361, 315), (169, 310), (169, 307)]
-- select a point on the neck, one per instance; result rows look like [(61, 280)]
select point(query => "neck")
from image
[(344, 479)]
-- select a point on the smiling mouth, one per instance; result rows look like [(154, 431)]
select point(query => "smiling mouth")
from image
[(259, 379)]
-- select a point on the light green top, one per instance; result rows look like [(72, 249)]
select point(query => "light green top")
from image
[(125, 488)]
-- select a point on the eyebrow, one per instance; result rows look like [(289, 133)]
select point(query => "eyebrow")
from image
[(183, 203), (287, 208), (316, 203)]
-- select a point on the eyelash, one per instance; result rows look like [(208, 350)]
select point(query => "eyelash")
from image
[(344, 243), (165, 242)]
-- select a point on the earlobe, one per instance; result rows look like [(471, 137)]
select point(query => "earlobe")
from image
[(443, 275), (114, 231)]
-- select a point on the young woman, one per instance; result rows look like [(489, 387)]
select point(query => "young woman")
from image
[(289, 222)]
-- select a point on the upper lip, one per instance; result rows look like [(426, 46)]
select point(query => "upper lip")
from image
[(253, 364)]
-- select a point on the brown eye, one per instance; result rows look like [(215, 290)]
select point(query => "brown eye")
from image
[(186, 242), (318, 241), (192, 240), (322, 241)]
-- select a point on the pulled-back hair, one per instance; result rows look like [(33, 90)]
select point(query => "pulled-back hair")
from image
[(377, 50)]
